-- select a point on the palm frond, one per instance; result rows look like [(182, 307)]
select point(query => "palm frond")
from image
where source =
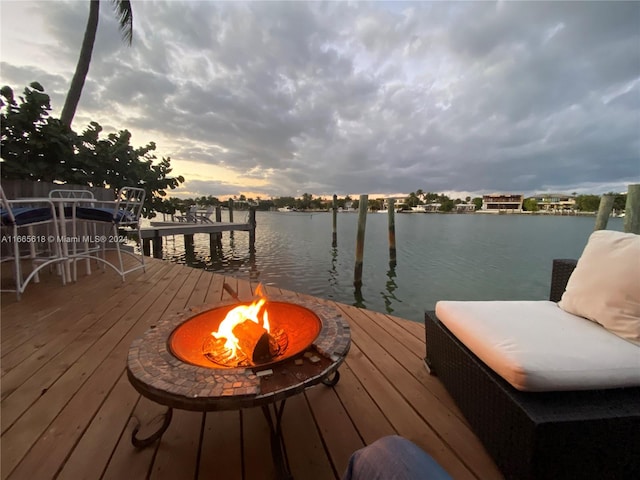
[(125, 18)]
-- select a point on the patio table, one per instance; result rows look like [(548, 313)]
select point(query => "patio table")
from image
[(64, 239)]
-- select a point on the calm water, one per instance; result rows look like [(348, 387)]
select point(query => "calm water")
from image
[(461, 257)]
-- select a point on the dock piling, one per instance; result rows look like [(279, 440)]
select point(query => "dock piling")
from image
[(156, 241), (392, 231), (362, 222), (604, 212), (632, 210), (252, 229), (219, 219), (189, 249), (146, 247), (334, 241)]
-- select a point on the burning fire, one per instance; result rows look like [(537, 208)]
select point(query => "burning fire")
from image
[(245, 337), (238, 315)]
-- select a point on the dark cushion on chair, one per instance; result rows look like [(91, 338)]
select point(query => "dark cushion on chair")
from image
[(103, 215), (26, 215), (68, 212)]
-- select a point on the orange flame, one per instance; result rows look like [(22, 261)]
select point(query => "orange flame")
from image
[(241, 314)]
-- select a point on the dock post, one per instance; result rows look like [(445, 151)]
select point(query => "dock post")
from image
[(632, 210), (146, 247), (213, 243), (604, 211), (362, 222), (231, 209), (219, 219), (252, 229), (392, 231), (157, 246), (334, 241), (188, 247)]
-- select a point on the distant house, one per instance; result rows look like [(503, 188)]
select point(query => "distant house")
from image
[(398, 203), (348, 207), (465, 208), (555, 201), (502, 201)]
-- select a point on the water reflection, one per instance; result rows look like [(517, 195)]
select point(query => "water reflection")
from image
[(388, 295), (358, 298), (333, 271), (254, 273)]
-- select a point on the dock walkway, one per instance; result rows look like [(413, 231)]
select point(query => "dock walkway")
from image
[(68, 409), (163, 229), (153, 235)]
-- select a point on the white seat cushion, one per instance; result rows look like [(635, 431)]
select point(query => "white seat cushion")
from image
[(536, 346)]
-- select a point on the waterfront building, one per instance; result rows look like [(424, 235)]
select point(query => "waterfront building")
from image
[(502, 201), (465, 208), (555, 202)]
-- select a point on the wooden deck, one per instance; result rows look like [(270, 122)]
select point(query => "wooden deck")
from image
[(68, 409)]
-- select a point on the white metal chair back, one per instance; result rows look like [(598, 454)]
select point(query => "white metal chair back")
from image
[(68, 193), (125, 211), (129, 202)]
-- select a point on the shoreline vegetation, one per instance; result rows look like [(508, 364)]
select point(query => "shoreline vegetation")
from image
[(415, 202)]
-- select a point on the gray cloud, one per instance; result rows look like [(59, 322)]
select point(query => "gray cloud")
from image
[(368, 97)]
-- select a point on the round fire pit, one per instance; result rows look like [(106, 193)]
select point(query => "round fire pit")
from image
[(175, 362), (178, 375)]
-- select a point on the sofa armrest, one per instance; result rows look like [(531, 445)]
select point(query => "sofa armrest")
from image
[(562, 270)]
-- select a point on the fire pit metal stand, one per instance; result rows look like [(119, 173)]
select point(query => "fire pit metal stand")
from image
[(158, 375)]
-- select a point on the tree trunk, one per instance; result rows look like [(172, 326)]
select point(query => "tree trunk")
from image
[(82, 68)]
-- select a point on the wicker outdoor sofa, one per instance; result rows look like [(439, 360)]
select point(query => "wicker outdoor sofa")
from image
[(540, 435)]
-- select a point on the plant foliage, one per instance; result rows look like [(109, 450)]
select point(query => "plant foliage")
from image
[(37, 147)]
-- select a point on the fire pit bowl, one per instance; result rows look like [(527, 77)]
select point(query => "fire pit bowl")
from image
[(300, 327)]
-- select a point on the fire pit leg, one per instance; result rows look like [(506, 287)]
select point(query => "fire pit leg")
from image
[(331, 381), (145, 442), (278, 451)]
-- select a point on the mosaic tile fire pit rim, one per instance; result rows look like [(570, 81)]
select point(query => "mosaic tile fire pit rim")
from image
[(158, 375)]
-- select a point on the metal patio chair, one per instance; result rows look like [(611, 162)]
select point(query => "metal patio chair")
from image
[(85, 235), (125, 211), (18, 219)]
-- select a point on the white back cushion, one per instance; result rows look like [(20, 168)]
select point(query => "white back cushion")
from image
[(605, 286)]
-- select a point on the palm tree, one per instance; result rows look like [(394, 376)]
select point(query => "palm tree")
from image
[(125, 17)]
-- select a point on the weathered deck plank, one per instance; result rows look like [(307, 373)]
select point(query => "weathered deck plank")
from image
[(68, 410), (221, 446)]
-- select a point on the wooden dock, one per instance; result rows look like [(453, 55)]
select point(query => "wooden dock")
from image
[(164, 229), (68, 410), (153, 235)]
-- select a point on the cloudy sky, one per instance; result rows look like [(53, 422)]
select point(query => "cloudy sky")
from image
[(273, 99)]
